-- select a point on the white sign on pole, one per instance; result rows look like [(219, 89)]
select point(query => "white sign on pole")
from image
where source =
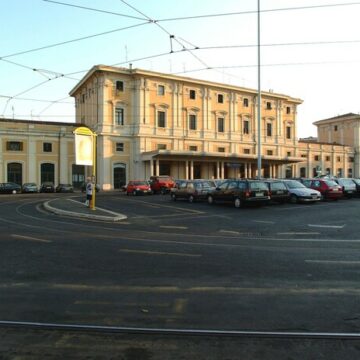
[(83, 149)]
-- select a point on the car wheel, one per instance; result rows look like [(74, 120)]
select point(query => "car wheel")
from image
[(173, 197), (293, 199), (191, 199), (14, 191), (210, 200), (237, 203)]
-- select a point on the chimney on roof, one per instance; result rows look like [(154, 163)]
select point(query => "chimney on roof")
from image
[(130, 66)]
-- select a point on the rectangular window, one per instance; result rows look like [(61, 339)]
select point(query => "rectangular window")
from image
[(193, 148), (14, 146), (119, 116), (268, 105), (246, 127), (220, 98), (47, 147), (246, 102), (327, 158), (246, 151), (288, 132), (221, 149), (161, 146), (192, 94), (288, 153), (161, 119), (119, 85), (120, 147), (192, 122), (269, 152), (316, 157), (303, 155), (161, 90), (351, 159), (338, 159), (268, 129), (221, 125), (335, 128), (288, 110)]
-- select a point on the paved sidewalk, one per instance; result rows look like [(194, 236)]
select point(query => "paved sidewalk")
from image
[(73, 208)]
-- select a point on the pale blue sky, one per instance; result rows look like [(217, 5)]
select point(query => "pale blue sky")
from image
[(325, 76)]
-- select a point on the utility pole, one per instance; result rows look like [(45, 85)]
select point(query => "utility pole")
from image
[(259, 94)]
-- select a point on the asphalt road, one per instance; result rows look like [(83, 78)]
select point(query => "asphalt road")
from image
[(176, 265)]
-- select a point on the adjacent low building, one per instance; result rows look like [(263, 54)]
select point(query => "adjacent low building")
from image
[(149, 123)]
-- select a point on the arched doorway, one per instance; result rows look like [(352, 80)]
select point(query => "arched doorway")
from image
[(14, 173), (119, 175), (47, 173)]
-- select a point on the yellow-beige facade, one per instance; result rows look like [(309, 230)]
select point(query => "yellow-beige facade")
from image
[(150, 123)]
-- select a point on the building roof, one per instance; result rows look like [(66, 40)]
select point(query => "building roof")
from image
[(39, 122), (344, 117), (140, 72)]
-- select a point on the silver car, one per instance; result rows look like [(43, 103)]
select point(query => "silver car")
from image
[(300, 193)]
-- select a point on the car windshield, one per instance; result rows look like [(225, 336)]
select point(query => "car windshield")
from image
[(138, 183), (278, 186), (331, 183), (258, 186), (294, 184)]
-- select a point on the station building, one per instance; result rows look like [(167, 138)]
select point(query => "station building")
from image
[(150, 123)]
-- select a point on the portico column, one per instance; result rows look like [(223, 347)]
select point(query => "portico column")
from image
[(218, 175), (151, 167), (186, 170), (222, 170), (245, 170), (191, 169), (157, 166)]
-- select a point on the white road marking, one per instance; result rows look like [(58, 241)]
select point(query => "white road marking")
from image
[(327, 226), (173, 227), (143, 252), (333, 262), (298, 233), (229, 232), (264, 222), (21, 237)]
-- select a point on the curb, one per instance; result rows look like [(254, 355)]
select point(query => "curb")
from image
[(115, 218)]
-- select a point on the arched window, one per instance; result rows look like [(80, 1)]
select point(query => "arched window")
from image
[(14, 173), (47, 172)]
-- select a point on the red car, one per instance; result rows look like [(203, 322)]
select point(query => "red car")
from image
[(138, 187), (329, 189), (161, 184)]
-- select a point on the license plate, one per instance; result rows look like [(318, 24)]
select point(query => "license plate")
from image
[(314, 197), (350, 192), (335, 190), (280, 192), (259, 194)]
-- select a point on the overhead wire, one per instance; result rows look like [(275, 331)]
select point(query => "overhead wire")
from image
[(93, 9)]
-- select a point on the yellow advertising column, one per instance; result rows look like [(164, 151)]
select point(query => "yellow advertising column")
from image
[(85, 154)]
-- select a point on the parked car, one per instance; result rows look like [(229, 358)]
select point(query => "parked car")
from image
[(9, 188), (348, 187), (83, 187), (47, 187), (29, 188), (278, 191), (192, 190), (357, 185), (329, 189), (300, 193), (64, 188), (240, 192), (161, 184), (138, 187)]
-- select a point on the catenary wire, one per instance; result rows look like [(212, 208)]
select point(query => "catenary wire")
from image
[(92, 9)]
